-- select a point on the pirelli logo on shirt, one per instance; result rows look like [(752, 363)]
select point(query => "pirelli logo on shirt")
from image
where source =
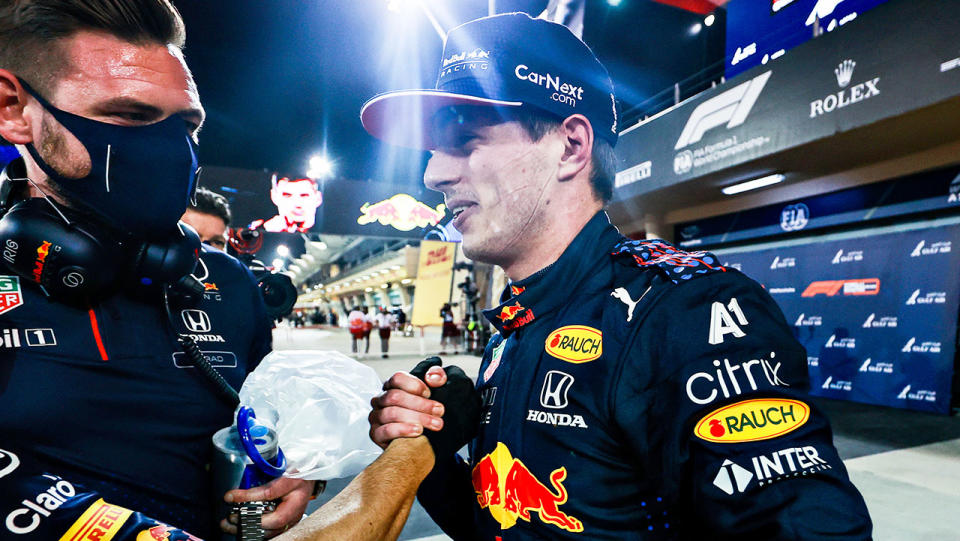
[(575, 344), (100, 522), (753, 420)]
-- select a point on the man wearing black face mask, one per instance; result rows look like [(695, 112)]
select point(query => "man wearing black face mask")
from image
[(94, 386)]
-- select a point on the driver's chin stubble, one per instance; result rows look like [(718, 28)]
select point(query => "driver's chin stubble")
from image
[(57, 150)]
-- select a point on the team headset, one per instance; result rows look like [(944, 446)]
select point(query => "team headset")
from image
[(74, 259), (78, 261)]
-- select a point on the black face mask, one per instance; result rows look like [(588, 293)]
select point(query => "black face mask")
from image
[(142, 177)]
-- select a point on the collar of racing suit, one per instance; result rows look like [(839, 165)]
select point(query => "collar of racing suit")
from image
[(549, 288)]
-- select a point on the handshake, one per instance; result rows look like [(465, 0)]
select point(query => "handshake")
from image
[(441, 404)]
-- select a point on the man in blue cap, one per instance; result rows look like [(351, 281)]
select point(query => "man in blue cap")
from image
[(633, 389)]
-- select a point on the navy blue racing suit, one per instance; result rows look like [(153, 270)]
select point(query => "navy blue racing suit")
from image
[(106, 398), (635, 391), (38, 506)]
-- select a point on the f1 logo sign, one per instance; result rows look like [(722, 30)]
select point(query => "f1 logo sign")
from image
[(730, 108), (196, 320), (553, 395)]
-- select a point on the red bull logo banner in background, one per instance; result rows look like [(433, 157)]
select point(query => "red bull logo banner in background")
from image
[(876, 311), (434, 277), (510, 491), (401, 212)]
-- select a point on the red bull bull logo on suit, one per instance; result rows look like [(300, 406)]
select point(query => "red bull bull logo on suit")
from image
[(506, 487)]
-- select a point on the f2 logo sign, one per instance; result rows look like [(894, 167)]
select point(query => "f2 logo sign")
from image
[(730, 108), (556, 384), (722, 323)]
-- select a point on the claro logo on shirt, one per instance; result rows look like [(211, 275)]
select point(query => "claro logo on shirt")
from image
[(753, 420), (101, 521), (575, 344)]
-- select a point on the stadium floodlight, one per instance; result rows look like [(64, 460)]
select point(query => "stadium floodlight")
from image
[(278, 263), (753, 184), (709, 20), (283, 250), (320, 167)]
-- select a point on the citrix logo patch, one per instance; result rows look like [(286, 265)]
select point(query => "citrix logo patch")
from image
[(730, 108), (727, 379)]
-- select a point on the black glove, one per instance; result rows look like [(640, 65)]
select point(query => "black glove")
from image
[(461, 407)]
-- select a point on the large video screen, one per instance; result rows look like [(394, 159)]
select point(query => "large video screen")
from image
[(277, 204), (762, 30)]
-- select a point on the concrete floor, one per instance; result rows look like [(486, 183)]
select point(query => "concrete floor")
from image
[(906, 464)]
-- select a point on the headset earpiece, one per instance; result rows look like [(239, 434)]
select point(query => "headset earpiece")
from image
[(74, 258), (67, 261), (170, 260)]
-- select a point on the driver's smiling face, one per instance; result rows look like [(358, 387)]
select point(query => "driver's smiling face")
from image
[(493, 177)]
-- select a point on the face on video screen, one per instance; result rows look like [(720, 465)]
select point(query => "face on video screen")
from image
[(297, 202)]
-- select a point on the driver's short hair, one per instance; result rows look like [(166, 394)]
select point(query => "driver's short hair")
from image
[(212, 203), (31, 31), (603, 162)]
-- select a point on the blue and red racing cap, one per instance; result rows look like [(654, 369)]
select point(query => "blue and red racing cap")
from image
[(508, 60)]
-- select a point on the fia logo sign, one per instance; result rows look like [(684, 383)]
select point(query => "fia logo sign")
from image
[(722, 323), (794, 217)]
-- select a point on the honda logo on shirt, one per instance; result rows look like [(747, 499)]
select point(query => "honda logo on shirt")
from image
[(554, 392), (196, 320)]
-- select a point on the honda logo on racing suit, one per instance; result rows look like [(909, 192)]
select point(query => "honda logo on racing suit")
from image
[(554, 392), (196, 320)]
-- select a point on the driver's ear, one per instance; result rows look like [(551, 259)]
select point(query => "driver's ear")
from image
[(14, 122), (577, 146)]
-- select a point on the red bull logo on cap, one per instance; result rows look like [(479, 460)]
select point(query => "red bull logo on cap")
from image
[(402, 212), (506, 487)]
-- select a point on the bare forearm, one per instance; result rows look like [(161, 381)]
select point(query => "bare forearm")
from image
[(376, 503)]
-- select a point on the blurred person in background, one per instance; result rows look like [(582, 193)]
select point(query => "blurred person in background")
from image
[(369, 321), (385, 322), (357, 324), (210, 217), (449, 333)]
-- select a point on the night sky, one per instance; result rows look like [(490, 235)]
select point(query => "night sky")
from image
[(282, 78)]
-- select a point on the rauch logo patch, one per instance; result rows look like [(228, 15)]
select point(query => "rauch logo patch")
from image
[(753, 420), (575, 343)]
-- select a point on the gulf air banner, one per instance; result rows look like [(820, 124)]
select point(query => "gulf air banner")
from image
[(434, 274), (877, 313)]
